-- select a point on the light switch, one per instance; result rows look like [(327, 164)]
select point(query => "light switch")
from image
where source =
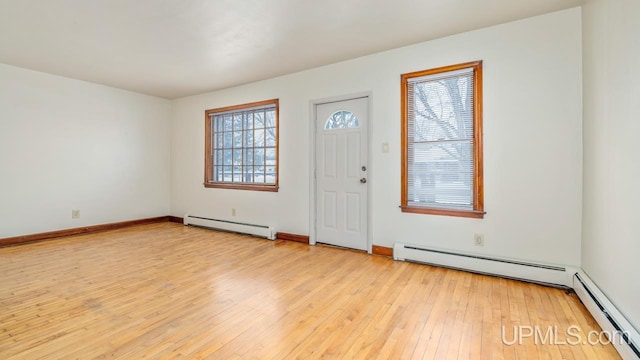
[(385, 147)]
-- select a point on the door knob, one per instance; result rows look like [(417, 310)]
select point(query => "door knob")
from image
[(363, 180)]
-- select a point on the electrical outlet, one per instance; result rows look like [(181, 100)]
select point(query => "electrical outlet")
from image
[(478, 239), (233, 212), (75, 214)]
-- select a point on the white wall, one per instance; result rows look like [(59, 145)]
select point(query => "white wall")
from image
[(533, 142), (610, 245), (67, 144)]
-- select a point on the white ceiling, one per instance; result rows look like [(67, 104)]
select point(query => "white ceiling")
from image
[(175, 48)]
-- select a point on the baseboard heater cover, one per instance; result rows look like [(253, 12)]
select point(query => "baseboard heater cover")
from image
[(624, 337), (232, 226), (508, 268)]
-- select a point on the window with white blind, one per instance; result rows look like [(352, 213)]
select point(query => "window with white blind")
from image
[(241, 145), (442, 141)]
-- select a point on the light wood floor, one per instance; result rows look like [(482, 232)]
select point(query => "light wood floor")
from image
[(168, 291)]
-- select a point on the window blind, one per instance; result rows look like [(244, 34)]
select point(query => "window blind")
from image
[(440, 158)]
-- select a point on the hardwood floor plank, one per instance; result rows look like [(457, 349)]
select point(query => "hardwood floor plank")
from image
[(167, 291)]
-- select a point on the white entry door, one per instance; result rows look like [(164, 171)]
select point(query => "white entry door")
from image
[(341, 173)]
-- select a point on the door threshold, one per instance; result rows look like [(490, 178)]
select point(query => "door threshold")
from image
[(342, 247)]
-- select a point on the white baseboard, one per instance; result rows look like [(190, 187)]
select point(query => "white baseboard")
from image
[(233, 226), (548, 274), (625, 337)]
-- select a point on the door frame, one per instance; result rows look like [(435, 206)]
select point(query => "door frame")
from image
[(313, 105)]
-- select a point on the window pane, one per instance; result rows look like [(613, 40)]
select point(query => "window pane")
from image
[(258, 158), (330, 124), (228, 139), (270, 156), (228, 123), (217, 141), (237, 157), (227, 157), (237, 139), (258, 120), (237, 121), (271, 118), (219, 157), (341, 120), (352, 121), (258, 174), (227, 173), (237, 173), (258, 138), (271, 137), (248, 120), (271, 174), (247, 139), (247, 173), (442, 109), (248, 156), (441, 175)]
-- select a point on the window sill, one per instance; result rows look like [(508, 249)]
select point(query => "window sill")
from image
[(251, 187), (430, 211)]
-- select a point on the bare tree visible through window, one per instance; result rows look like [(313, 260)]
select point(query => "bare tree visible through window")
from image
[(441, 141)]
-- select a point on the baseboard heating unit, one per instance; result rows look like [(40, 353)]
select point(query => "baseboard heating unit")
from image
[(539, 273), (232, 226), (622, 335)]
